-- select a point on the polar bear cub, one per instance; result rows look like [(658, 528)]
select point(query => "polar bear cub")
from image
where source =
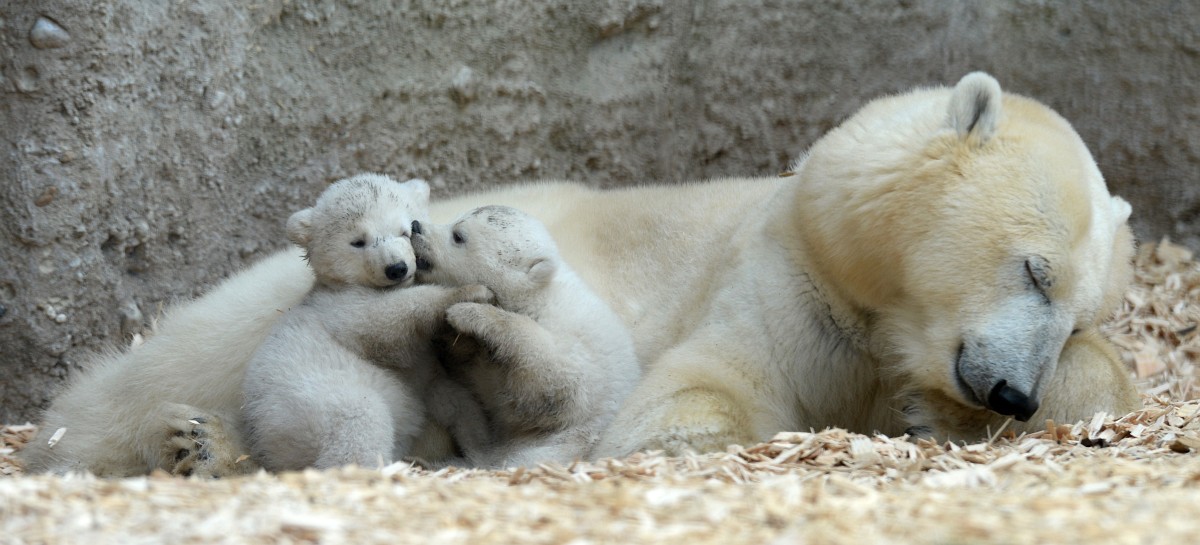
[(559, 362), (344, 377)]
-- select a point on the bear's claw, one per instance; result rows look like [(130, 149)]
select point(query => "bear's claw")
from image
[(200, 445)]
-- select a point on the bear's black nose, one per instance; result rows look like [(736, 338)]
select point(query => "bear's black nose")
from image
[(1011, 402), (396, 271), (416, 226)]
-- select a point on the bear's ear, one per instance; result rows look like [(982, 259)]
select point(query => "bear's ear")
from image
[(299, 227), (975, 106), (541, 270), (420, 189)]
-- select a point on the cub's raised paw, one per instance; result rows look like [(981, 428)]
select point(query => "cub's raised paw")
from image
[(475, 293), (200, 446), (457, 349), (471, 318)]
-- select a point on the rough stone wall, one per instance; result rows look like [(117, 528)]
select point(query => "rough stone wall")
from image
[(152, 147)]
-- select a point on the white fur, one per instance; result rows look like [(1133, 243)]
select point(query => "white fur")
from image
[(837, 296), (343, 377), (975, 106), (556, 361), (123, 410), (346, 377)]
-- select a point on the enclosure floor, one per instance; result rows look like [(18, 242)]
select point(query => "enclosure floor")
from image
[(1132, 479)]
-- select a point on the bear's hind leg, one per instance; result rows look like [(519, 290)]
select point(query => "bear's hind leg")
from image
[(200, 444)]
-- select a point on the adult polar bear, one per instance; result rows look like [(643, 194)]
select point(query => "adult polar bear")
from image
[(941, 252)]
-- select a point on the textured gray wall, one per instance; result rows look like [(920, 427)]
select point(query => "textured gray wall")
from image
[(150, 147)]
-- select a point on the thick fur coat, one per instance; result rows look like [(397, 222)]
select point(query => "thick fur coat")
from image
[(553, 361), (349, 375), (887, 285)]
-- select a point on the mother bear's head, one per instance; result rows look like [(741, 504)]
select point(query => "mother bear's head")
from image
[(973, 233)]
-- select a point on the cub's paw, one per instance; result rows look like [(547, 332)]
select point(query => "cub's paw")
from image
[(475, 293), (471, 318), (456, 349), (200, 446)]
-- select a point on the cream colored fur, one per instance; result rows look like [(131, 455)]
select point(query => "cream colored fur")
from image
[(122, 413), (346, 376), (835, 297), (555, 362)]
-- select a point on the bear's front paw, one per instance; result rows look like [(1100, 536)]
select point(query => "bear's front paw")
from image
[(200, 445), (920, 432), (691, 420), (475, 293)]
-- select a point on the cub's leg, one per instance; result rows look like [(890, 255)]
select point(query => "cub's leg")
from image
[(355, 414), (434, 447), (202, 444), (543, 387), (450, 405)]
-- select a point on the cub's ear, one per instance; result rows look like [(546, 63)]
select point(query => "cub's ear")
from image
[(299, 227), (975, 106), (541, 270), (420, 189)]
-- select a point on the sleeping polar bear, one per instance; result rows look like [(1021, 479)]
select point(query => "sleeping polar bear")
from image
[(942, 257)]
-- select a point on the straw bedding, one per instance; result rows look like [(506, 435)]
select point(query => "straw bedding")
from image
[(1130, 479)]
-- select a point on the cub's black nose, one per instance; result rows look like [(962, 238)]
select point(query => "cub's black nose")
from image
[(396, 271), (1011, 402), (416, 226)]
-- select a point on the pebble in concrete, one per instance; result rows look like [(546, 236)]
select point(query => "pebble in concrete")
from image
[(46, 34)]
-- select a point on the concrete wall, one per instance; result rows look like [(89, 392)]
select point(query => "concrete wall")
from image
[(152, 147)]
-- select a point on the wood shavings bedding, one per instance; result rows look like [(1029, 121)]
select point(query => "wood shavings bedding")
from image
[(1126, 479)]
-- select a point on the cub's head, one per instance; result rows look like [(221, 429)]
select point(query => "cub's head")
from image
[(496, 246), (974, 233), (359, 232)]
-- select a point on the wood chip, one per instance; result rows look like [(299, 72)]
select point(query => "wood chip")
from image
[(56, 437)]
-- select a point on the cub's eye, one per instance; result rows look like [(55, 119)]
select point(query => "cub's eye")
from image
[(358, 243), (458, 238), (1075, 331)]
